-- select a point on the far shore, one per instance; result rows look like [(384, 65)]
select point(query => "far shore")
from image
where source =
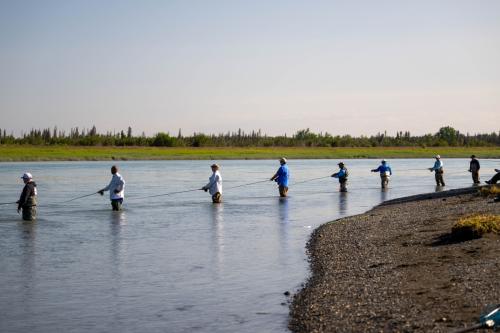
[(26, 153), (396, 268)]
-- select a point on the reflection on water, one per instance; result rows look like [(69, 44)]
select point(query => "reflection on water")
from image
[(343, 203), (178, 263)]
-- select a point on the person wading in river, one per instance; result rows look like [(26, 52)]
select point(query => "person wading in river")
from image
[(385, 173), (342, 176), (438, 169), (474, 167), (281, 177), (214, 186), (116, 188), (27, 201)]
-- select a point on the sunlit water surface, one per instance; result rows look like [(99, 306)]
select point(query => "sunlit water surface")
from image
[(176, 263)]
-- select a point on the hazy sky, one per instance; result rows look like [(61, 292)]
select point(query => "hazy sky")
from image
[(356, 67)]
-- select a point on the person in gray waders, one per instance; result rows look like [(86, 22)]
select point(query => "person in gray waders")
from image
[(342, 176), (385, 173), (116, 188), (27, 201), (438, 169), (214, 186)]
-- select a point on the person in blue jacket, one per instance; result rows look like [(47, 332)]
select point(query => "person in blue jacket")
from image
[(342, 176), (438, 170), (385, 173), (281, 177)]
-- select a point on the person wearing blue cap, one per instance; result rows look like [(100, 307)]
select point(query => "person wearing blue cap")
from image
[(385, 173), (27, 201)]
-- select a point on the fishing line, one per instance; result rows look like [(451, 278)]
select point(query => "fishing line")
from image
[(7, 203), (310, 180)]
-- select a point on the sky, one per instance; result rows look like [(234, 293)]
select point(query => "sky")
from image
[(342, 67)]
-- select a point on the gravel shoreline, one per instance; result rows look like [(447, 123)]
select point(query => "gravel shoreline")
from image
[(395, 269)]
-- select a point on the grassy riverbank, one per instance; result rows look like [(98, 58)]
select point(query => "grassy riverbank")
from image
[(78, 153)]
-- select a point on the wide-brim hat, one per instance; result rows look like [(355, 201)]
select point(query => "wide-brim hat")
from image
[(215, 165), (340, 163), (283, 160), (438, 156)]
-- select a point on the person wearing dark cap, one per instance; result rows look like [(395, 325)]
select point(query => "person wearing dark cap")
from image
[(495, 178), (116, 188), (281, 177), (214, 186), (27, 201), (385, 173), (474, 169), (342, 175)]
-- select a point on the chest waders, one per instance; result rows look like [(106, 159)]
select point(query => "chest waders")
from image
[(29, 209)]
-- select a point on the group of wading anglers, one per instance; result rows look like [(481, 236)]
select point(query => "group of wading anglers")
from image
[(116, 187)]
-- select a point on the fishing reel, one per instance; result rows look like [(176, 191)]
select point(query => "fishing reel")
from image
[(489, 319)]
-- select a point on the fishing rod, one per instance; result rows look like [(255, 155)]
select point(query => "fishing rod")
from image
[(260, 181), (167, 194), (7, 203), (310, 180), (81, 197)]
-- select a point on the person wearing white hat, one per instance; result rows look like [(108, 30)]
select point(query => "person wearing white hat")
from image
[(438, 171), (214, 186), (281, 177), (385, 173), (27, 201), (116, 188)]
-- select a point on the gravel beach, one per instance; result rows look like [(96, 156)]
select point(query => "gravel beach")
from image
[(396, 269)]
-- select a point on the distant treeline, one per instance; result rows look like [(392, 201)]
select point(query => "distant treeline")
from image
[(446, 136)]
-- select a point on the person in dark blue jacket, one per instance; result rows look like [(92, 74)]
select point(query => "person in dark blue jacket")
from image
[(342, 176), (385, 173), (281, 177)]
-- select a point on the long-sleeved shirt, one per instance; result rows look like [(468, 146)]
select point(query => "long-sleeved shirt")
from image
[(384, 169), (214, 183), (341, 175), (117, 184), (437, 165), (474, 165), (283, 174), (28, 195)]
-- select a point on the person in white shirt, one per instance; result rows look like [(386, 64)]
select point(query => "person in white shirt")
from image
[(116, 188), (214, 186)]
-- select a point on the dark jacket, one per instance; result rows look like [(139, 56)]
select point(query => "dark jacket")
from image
[(474, 165), (28, 196)]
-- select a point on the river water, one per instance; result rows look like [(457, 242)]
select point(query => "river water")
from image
[(176, 263)]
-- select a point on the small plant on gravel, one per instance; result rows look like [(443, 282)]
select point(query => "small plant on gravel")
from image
[(476, 226), (490, 190)]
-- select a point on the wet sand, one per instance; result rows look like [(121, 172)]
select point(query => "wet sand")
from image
[(396, 269)]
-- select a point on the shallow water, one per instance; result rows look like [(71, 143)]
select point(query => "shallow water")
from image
[(176, 263)]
